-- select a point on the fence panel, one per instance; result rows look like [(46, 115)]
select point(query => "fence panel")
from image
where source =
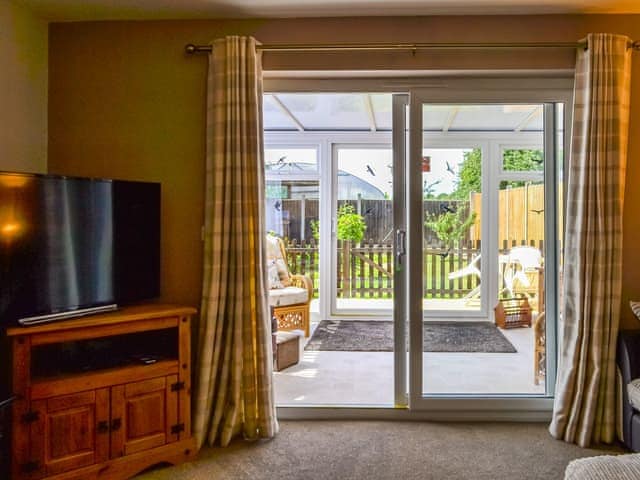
[(366, 270)]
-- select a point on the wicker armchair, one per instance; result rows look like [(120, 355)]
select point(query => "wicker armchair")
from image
[(290, 304)]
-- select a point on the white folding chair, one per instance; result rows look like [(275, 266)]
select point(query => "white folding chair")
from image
[(471, 269)]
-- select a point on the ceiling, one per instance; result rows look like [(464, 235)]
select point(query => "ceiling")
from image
[(80, 10), (346, 112)]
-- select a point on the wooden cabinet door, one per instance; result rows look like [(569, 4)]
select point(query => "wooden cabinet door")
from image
[(69, 432), (144, 415)]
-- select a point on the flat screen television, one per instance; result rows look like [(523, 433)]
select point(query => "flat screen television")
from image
[(72, 246)]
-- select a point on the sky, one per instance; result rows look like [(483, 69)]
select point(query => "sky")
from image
[(356, 160)]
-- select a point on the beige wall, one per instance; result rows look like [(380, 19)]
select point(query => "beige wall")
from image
[(126, 102), (23, 90)]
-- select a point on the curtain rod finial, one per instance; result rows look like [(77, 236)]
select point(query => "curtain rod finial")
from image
[(190, 49)]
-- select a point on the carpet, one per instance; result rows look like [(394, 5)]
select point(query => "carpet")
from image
[(379, 450), (377, 336)]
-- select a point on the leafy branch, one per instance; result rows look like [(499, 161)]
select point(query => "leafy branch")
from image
[(450, 227)]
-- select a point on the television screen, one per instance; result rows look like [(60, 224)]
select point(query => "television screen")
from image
[(59, 242)]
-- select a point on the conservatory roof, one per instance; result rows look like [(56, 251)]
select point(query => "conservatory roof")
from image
[(372, 112)]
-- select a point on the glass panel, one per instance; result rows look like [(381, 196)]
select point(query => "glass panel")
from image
[(290, 161), (328, 111), (273, 116), (382, 105), (452, 199), (437, 117), (495, 117), (364, 230), (523, 160), (468, 349)]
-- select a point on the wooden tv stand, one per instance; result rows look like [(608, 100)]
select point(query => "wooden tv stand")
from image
[(102, 397)]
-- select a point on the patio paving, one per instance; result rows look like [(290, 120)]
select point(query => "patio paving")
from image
[(366, 378)]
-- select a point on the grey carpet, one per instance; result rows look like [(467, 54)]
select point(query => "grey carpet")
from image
[(377, 336), (378, 450)]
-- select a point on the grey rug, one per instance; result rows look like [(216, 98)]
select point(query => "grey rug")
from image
[(377, 336)]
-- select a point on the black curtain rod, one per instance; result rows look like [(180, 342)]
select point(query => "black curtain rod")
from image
[(303, 47)]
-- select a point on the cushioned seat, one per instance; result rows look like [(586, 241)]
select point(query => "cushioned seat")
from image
[(633, 390), (287, 296), (605, 467), (628, 361)]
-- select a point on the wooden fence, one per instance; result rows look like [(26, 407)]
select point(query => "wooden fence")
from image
[(520, 216), (366, 270), (293, 218)]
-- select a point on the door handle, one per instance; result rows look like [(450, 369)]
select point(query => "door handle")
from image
[(401, 247)]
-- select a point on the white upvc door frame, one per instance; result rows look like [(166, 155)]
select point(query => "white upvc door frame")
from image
[(482, 94), (556, 86)]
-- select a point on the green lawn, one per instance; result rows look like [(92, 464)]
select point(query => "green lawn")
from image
[(437, 285)]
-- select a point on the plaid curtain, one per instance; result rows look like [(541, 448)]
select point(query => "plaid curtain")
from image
[(584, 408), (234, 389)]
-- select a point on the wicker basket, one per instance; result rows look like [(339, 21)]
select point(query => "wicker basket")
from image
[(513, 312)]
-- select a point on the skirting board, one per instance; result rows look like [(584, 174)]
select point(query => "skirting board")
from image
[(404, 414)]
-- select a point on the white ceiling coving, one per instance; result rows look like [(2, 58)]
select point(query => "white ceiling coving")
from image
[(79, 10)]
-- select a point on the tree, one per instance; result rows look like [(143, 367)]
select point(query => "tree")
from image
[(470, 175), (351, 225), (450, 227), (516, 160)]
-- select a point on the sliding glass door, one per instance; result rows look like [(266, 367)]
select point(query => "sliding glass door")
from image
[(417, 222), (483, 214)]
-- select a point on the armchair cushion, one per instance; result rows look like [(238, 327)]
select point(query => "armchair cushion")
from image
[(633, 390), (274, 277), (288, 296), (275, 254)]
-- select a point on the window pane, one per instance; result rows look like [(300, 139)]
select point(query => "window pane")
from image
[(364, 256), (290, 160), (328, 111), (273, 116), (496, 118), (522, 160), (452, 202)]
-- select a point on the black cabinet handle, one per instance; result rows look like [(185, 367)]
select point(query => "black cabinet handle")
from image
[(116, 423), (103, 427)]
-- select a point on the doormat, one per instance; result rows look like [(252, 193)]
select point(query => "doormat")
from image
[(377, 336)]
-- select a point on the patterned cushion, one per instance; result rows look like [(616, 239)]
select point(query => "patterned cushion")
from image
[(604, 467), (275, 254), (633, 389), (635, 307), (273, 248), (274, 277), (288, 296)]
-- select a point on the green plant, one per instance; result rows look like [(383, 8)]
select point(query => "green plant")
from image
[(315, 228), (351, 225), (450, 227)]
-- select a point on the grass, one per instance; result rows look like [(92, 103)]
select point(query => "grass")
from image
[(368, 280)]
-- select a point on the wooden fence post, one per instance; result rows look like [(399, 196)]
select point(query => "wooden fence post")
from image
[(346, 268)]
